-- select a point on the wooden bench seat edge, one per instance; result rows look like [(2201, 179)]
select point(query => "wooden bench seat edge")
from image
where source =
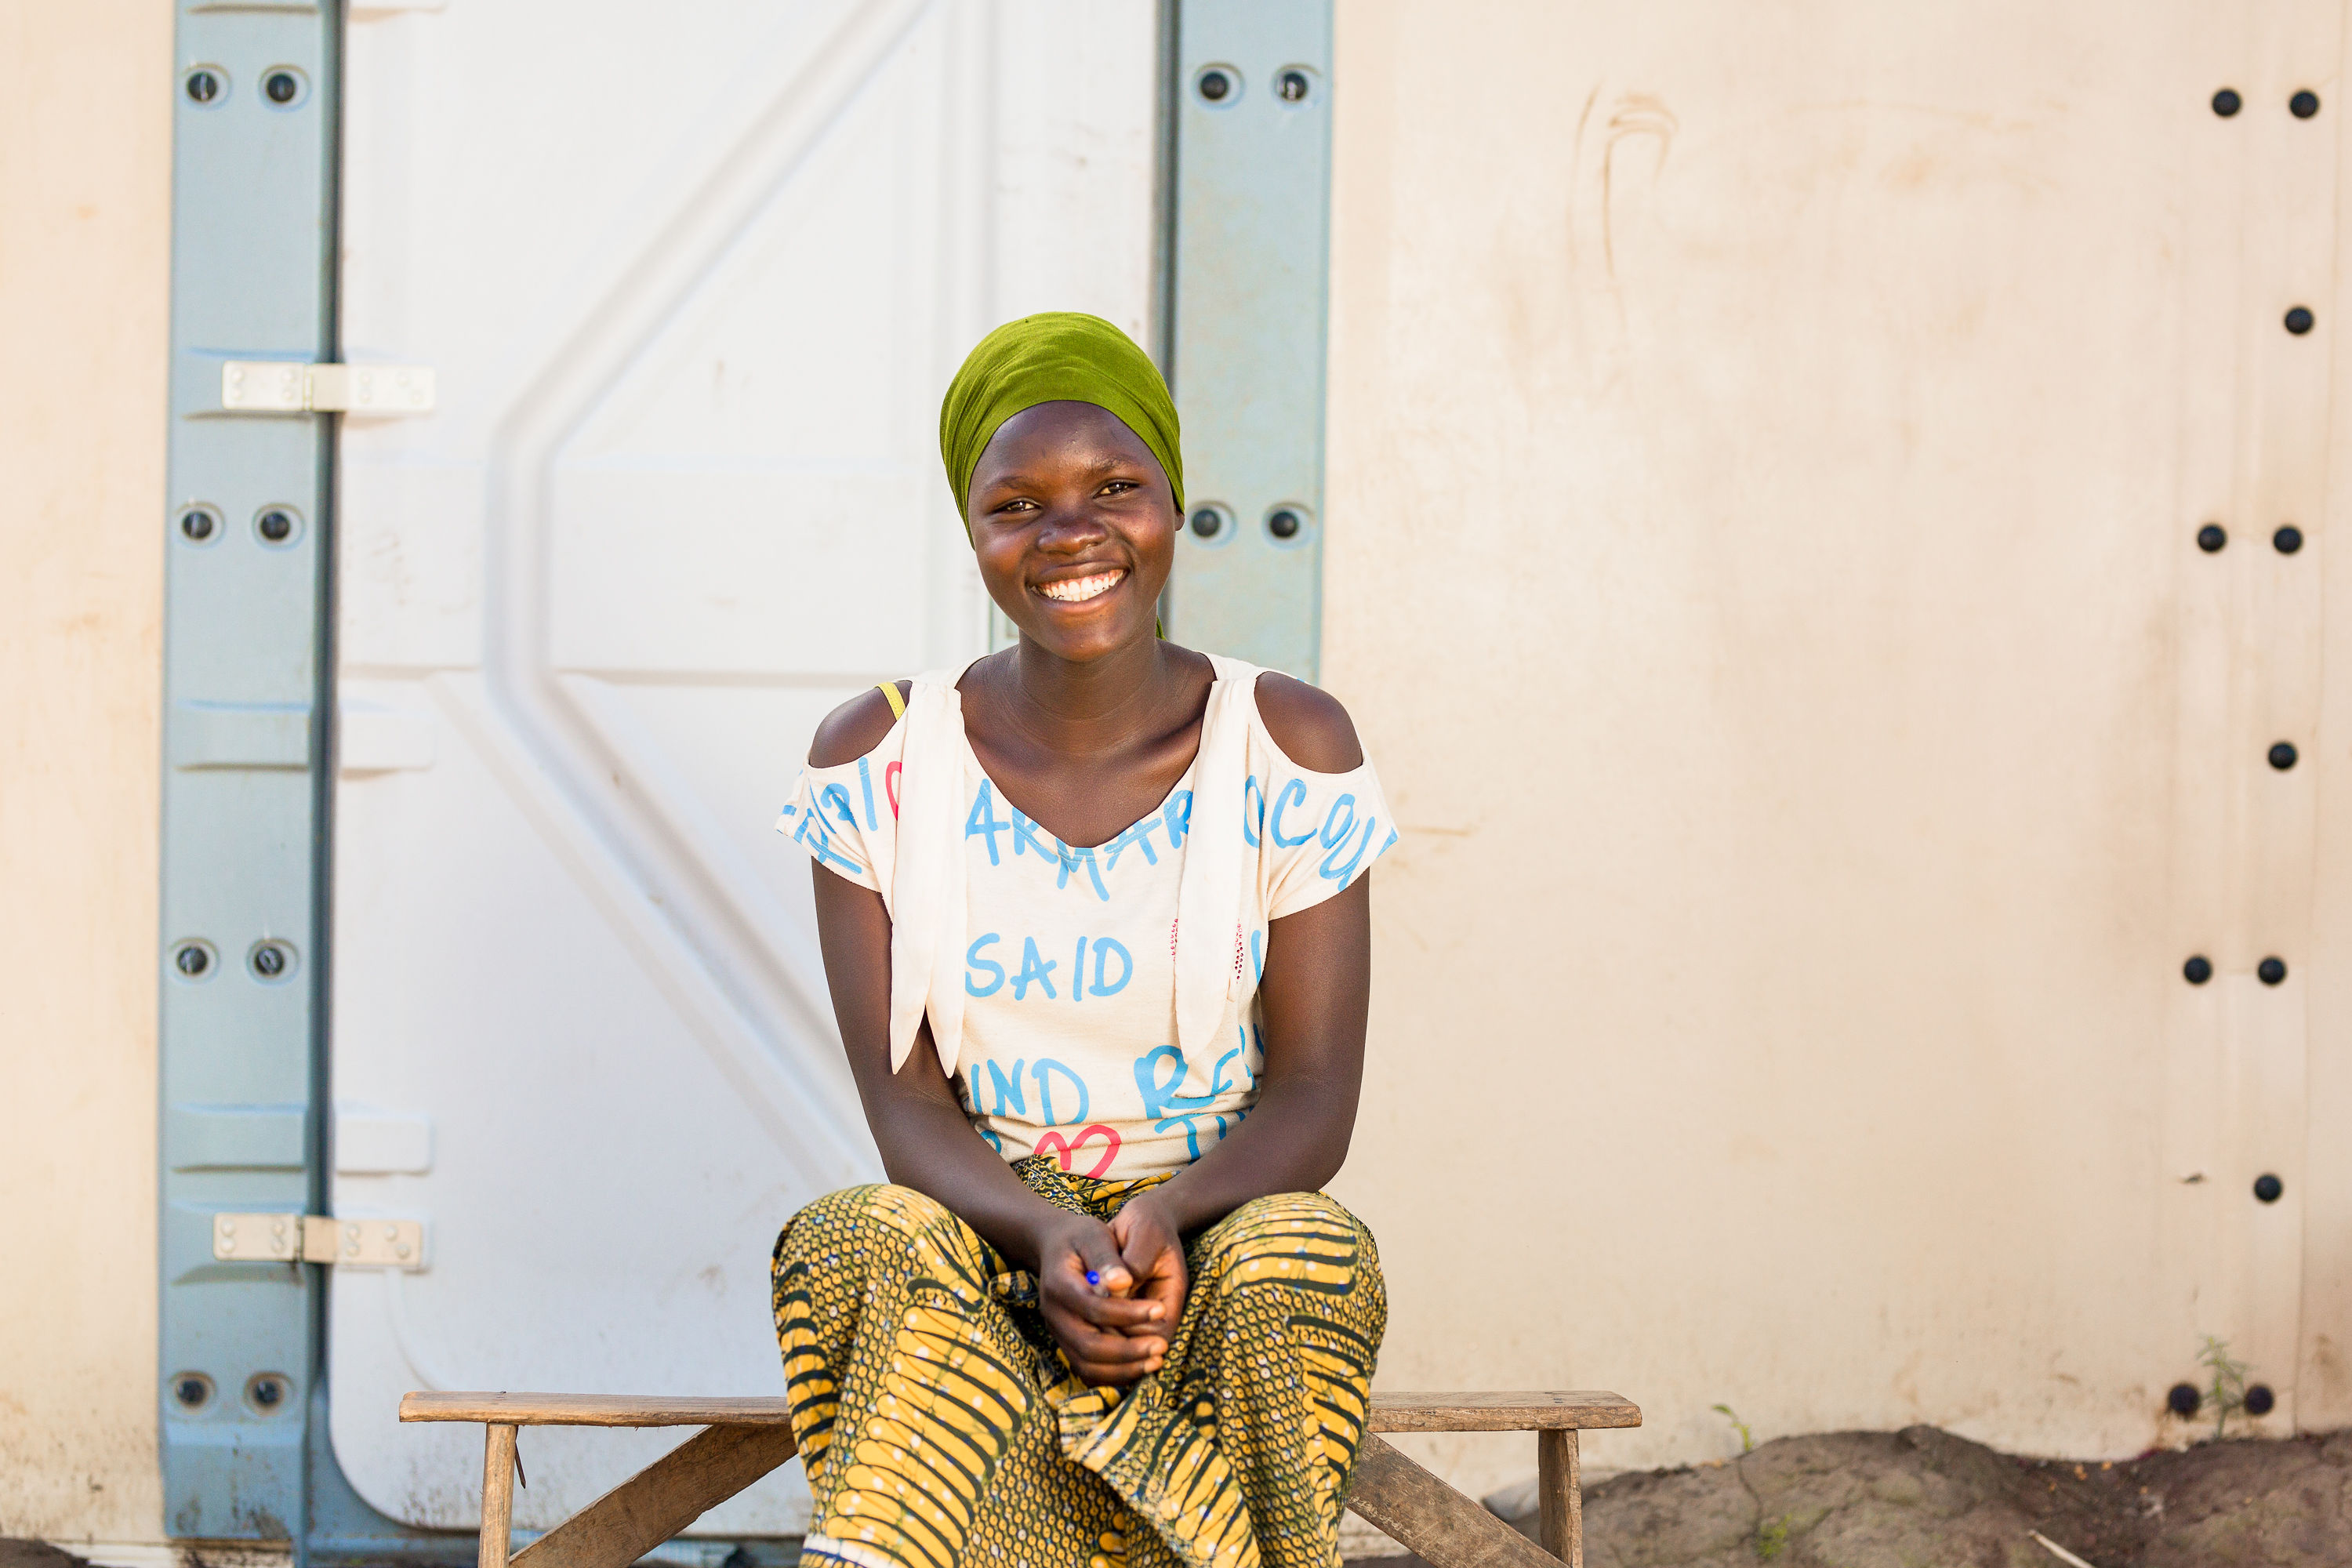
[(1580, 1410)]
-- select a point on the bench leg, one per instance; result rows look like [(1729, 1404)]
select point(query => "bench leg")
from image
[(498, 1494), (661, 1499), (1559, 1481), (1423, 1514)]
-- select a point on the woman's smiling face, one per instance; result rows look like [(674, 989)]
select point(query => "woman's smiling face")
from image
[(1075, 526)]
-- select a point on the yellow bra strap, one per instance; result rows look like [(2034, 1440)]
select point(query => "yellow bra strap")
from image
[(889, 689)]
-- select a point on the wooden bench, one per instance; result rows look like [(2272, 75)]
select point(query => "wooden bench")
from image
[(743, 1439)]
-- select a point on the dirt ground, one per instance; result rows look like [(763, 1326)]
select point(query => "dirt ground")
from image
[(34, 1554), (1924, 1499)]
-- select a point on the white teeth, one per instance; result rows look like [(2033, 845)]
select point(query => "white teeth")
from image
[(1078, 590)]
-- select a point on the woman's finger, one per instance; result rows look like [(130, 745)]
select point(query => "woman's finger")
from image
[(1095, 1259), (1125, 1313), (1070, 1293), (1082, 1339)]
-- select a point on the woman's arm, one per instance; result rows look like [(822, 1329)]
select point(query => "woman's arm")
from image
[(1315, 991)]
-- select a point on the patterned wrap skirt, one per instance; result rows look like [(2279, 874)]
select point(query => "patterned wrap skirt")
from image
[(940, 1427)]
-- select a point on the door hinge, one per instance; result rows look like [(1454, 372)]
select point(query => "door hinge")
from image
[(318, 1238), (289, 386)]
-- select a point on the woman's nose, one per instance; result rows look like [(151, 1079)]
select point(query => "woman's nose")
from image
[(1071, 530)]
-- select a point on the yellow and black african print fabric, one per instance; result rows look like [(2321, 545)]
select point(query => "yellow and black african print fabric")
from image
[(940, 1427)]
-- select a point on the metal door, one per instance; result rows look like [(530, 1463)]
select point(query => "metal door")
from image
[(691, 282)]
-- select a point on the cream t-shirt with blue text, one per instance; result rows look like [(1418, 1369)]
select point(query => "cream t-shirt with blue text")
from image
[(1069, 1043)]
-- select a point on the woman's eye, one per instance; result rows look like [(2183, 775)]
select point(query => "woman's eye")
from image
[(1119, 487)]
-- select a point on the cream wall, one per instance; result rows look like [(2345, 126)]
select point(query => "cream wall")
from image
[(1765, 450), (85, 230)]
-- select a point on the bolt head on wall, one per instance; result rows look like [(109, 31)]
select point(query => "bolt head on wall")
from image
[(2303, 104), (2270, 971), (2269, 1188), (2184, 1400), (2227, 102), (272, 963), (2299, 320), (1219, 87), (2198, 970), (269, 1393), (2287, 540), (2211, 537)]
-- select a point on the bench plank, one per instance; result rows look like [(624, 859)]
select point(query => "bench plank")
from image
[(1422, 1513), (1527, 1411), (594, 1410), (661, 1499), (1522, 1412)]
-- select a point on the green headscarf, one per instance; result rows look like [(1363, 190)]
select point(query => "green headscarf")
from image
[(1059, 356)]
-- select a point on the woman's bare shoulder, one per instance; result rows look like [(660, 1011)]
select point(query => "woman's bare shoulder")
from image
[(1309, 724), (854, 728)]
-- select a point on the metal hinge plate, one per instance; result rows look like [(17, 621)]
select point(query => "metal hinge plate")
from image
[(317, 1238), (289, 386)]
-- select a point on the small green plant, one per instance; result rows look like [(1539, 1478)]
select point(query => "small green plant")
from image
[(1747, 1438), (1772, 1539), (2229, 1390)]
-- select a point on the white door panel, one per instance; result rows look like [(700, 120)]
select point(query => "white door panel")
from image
[(693, 290)]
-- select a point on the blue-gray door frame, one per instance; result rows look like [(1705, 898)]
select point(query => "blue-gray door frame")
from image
[(249, 620), (248, 541), (1249, 103), (248, 564)]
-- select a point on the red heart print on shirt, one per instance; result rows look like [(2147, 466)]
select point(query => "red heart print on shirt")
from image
[(1062, 1149)]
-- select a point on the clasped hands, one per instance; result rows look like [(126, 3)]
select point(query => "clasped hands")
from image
[(1114, 1330)]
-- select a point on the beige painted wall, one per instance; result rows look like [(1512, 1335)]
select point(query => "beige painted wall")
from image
[(85, 229), (1765, 450)]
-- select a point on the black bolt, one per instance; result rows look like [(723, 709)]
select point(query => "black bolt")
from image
[(281, 86), (2268, 1188), (192, 960), (2211, 537), (1284, 524), (2227, 102), (2198, 970), (2298, 321), (276, 526), (203, 85), (269, 960), (1291, 87), (267, 1392), (191, 1391), (197, 524), (2184, 1399), (1216, 86), (2303, 104), (2287, 540), (2260, 1400), (2282, 755), (1207, 522), (2270, 971)]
